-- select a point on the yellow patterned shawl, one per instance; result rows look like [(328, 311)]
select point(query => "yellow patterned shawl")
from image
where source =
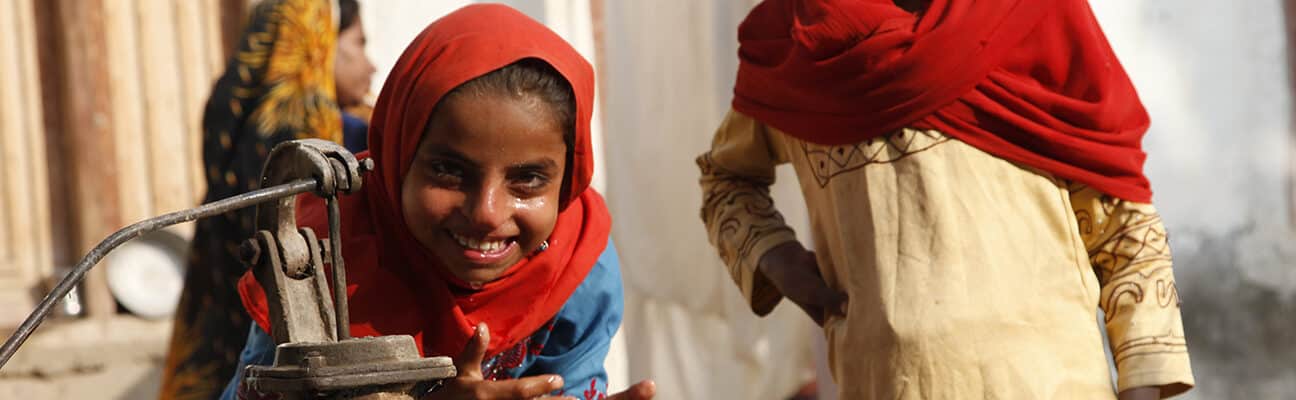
[(278, 86)]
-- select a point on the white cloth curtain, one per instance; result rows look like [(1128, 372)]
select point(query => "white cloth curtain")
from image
[(669, 75)]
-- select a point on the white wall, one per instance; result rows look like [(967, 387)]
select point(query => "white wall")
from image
[(1214, 77), (390, 25)]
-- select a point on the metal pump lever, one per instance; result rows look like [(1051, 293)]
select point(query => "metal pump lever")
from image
[(289, 261), (132, 231), (315, 357)]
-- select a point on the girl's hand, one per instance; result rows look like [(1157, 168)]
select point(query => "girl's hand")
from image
[(793, 270), (470, 385)]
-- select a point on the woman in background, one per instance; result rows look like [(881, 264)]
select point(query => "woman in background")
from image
[(353, 73), (278, 86)]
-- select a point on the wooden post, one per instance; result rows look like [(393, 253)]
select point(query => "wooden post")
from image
[(162, 57), (166, 114), (87, 148), (130, 126), (203, 60), (24, 202)]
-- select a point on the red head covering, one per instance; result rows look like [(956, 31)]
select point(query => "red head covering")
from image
[(1032, 81), (395, 285)]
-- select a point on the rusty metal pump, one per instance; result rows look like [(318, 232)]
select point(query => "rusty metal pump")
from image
[(315, 357)]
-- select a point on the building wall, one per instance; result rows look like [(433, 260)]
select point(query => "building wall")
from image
[(121, 85), (24, 210), (100, 105)]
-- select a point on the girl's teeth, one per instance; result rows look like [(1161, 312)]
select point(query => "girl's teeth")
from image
[(478, 244)]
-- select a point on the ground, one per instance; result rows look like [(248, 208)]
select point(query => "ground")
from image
[(117, 358)]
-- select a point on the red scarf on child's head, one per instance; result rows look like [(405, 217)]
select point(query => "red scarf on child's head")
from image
[(398, 287), (1032, 81)]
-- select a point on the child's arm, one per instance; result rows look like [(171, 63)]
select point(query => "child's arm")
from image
[(761, 251), (259, 350), (1127, 246), (740, 217)]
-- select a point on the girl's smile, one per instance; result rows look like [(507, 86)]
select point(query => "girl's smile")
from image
[(487, 250)]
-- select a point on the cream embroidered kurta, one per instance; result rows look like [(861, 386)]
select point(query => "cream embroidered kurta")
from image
[(968, 276)]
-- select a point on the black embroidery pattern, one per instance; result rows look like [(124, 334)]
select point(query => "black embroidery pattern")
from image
[(731, 203), (1128, 247), (829, 161)]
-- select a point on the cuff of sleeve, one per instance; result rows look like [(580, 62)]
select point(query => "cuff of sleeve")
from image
[(761, 294), (1170, 372)]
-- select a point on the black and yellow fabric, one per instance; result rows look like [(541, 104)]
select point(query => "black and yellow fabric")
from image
[(278, 86)]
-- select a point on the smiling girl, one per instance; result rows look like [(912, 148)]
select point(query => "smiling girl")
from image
[(477, 233)]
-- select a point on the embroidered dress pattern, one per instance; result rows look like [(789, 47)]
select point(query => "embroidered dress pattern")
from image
[(505, 364), (830, 161)]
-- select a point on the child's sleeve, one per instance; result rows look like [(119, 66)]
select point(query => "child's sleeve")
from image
[(582, 332), (737, 209), (1127, 246)]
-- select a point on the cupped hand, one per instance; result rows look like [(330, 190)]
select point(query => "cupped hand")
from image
[(470, 384)]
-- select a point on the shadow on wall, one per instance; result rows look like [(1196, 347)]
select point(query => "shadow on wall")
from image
[(1241, 331)]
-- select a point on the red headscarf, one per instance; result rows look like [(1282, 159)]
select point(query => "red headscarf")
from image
[(395, 285), (1031, 81)]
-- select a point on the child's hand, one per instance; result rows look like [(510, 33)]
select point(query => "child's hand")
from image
[(470, 385), (644, 390), (1141, 393), (793, 270)]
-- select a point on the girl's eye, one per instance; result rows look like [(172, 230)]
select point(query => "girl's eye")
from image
[(531, 181), (445, 172)]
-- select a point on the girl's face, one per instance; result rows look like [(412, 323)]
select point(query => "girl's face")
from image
[(483, 189)]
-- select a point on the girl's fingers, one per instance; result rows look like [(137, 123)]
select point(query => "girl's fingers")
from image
[(521, 388), (469, 362)]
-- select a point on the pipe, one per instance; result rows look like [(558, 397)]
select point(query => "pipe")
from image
[(133, 231)]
